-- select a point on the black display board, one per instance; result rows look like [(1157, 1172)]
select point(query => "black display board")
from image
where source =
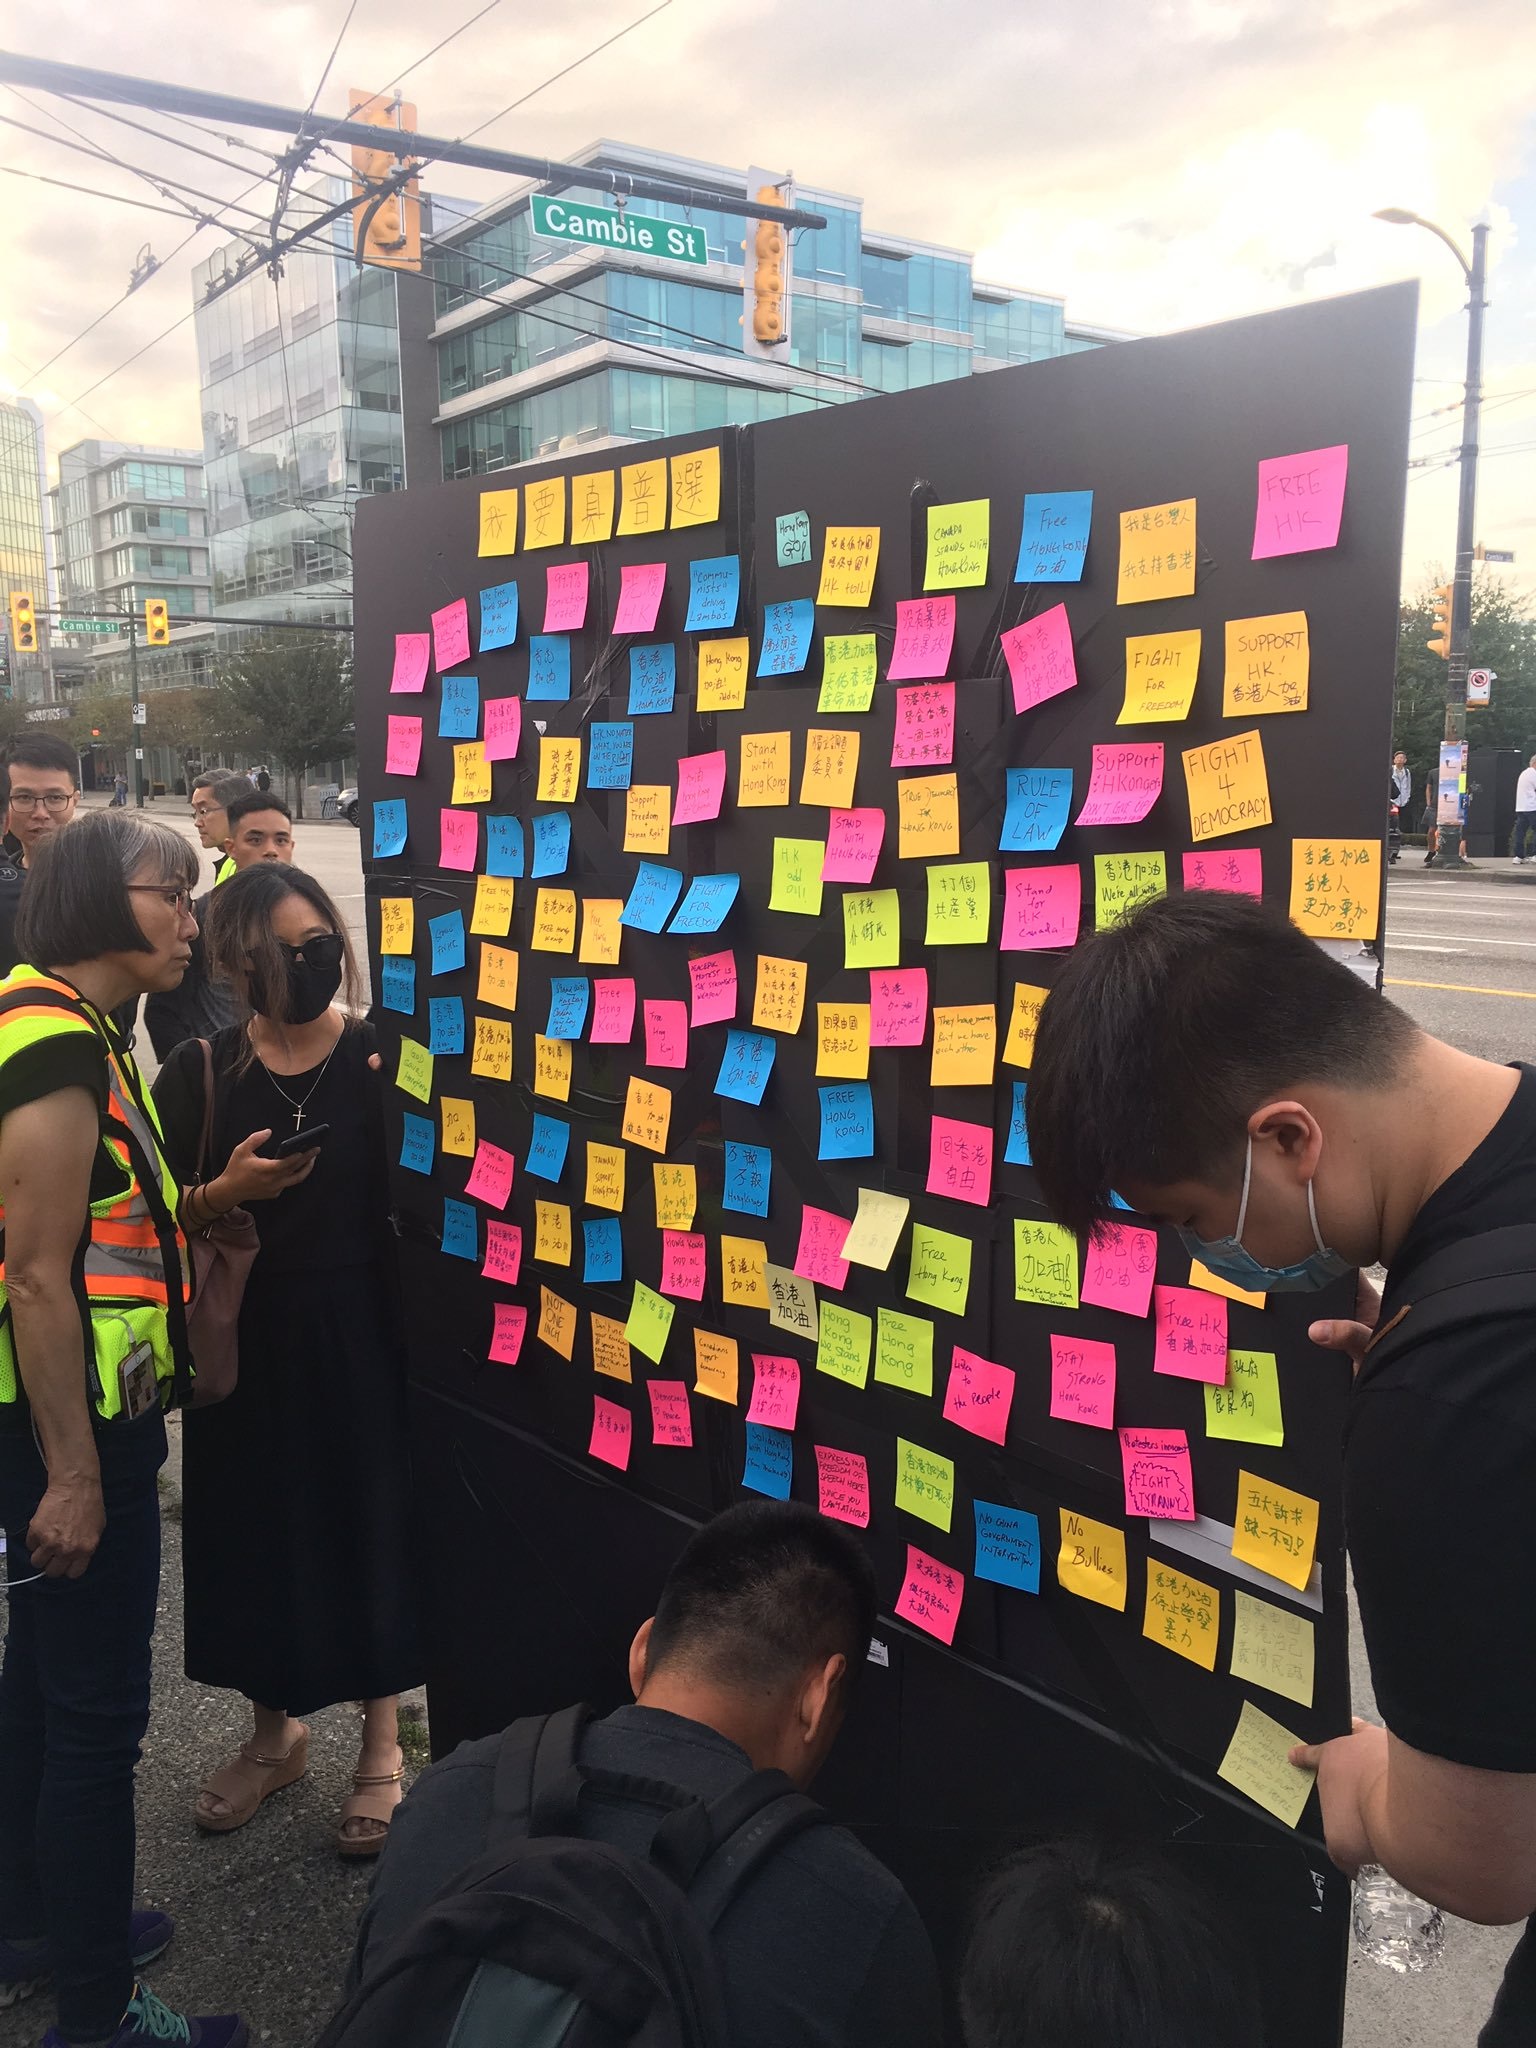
[(1050, 1711)]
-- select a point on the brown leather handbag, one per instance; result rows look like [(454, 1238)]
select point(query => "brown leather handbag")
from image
[(222, 1255)]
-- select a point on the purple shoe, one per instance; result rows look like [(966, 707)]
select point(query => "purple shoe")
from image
[(148, 2021)]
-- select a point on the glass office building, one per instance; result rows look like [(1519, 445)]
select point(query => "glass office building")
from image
[(129, 523), (24, 556)]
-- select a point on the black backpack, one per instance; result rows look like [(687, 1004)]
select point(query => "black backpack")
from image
[(551, 1941), (1492, 1272)]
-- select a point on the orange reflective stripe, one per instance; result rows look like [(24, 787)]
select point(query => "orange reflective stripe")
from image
[(124, 1287), (138, 1235)]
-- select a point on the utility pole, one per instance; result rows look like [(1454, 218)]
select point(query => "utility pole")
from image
[(135, 728)]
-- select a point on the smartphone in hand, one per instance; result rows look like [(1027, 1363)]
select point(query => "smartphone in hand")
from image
[(309, 1140)]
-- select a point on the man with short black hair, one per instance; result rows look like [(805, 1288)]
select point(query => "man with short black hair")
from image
[(212, 792), (748, 1663), (258, 827), (45, 789)]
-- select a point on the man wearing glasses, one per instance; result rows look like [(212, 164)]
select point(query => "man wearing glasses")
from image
[(212, 793), (43, 795)]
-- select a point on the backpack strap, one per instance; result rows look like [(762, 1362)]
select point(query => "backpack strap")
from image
[(536, 1785), (1500, 1264), (743, 1829)]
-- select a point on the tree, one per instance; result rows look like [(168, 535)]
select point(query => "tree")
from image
[(289, 697), (1503, 639)]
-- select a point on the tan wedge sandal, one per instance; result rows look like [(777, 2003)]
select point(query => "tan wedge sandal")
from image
[(369, 1800), (246, 1782)]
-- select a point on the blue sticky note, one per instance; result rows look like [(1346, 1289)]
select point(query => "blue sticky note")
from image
[(504, 851), (447, 941), (747, 1064), (770, 1464), (786, 637), (703, 908), (461, 1231), (498, 616), (1118, 1202), (652, 678), (418, 1143), (547, 1147), (1016, 1151), (549, 668), (1007, 1546), (748, 1175), (1054, 539), (445, 1024), (458, 716), (714, 591), (604, 1249), (847, 1121), (654, 891), (569, 995), (551, 843), (610, 753), (389, 827), (397, 984), (1038, 802)]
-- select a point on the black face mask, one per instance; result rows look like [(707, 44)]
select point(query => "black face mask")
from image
[(314, 976)]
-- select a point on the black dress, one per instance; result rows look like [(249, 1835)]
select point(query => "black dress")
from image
[(300, 1579)]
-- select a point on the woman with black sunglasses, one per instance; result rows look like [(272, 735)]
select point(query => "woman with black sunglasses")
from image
[(299, 1586)]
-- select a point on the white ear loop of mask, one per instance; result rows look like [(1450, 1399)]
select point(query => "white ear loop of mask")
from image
[(1242, 1207)]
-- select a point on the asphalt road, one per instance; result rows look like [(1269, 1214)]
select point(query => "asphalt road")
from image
[(1461, 954)]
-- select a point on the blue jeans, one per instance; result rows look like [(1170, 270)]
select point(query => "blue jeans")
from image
[(74, 1705), (1525, 829)]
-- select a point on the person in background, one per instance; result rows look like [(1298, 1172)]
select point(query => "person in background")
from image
[(11, 882), (45, 790), (1525, 811), (257, 827), (212, 792), (119, 790), (1401, 789), (300, 1586), (262, 780)]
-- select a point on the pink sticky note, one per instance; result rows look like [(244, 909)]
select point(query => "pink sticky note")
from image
[(712, 980), (1118, 1267), (1127, 781), (666, 1034), (640, 588), (503, 727), (1040, 659), (402, 754), (700, 786), (1041, 908), (612, 1430), (925, 634), (1158, 1480), (613, 1012), (503, 1252), (565, 597), (450, 634), (460, 840), (930, 1595), (1191, 1334), (960, 1161), (412, 652), (490, 1178), (682, 1264), (925, 726), (1301, 500), (1237, 869), (671, 1420), (842, 1486), (1083, 1381), (898, 1006), (507, 1336), (979, 1395), (820, 1254), (854, 839), (775, 1391)]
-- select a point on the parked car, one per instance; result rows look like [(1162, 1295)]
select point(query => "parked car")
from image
[(347, 805)]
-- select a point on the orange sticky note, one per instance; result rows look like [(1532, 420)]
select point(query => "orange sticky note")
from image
[(601, 932), (930, 815), (557, 1323), (492, 1051), (554, 921), (716, 1366), (647, 1113), (647, 818), (964, 1046), (763, 783), (1019, 1047), (605, 1176), (1275, 1530), (559, 770), (552, 1067), (610, 1346), (831, 768), (498, 977), (842, 1040), (780, 999)]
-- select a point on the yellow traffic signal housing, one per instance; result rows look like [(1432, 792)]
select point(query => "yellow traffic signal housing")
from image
[(23, 624), (768, 323), (157, 622), (386, 230), (1440, 619)]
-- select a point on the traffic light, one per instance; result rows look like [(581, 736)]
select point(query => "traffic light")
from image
[(386, 230), (23, 624), (769, 244), (1440, 619), (157, 622)]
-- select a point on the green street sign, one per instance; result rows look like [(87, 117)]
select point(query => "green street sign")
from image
[(91, 625), (571, 220)]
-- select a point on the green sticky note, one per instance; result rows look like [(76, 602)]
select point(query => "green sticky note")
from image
[(797, 875), (847, 672), (925, 1484), (650, 1322), (940, 1272), (1122, 880), (904, 1351), (1247, 1408), (871, 928), (1044, 1264), (415, 1070), (958, 538), (959, 905), (843, 1347)]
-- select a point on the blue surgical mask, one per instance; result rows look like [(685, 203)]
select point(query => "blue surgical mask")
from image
[(1227, 1259)]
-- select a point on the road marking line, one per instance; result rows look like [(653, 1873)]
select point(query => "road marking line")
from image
[(1461, 988)]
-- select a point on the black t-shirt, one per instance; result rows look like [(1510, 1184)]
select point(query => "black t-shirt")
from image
[(1440, 1486)]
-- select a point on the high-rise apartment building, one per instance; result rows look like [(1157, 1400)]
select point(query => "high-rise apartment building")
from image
[(24, 557), (129, 523)]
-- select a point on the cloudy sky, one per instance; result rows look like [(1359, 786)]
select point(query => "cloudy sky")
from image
[(1158, 163)]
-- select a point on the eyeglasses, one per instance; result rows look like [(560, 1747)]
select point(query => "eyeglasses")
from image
[(206, 810), (52, 800), (179, 900)]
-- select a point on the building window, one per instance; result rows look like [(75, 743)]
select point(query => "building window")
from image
[(148, 480)]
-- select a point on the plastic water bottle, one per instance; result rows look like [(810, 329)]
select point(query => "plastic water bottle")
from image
[(1393, 1927)]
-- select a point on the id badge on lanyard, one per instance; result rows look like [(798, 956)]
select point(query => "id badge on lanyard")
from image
[(136, 1381)]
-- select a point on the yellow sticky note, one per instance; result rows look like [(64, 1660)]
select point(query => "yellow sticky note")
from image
[(842, 1042), (792, 1302), (643, 496), (647, 817), (414, 1073), (552, 1233), (848, 559), (696, 487), (959, 904), (1044, 1263), (1258, 1762), (1336, 887), (554, 921), (930, 815), (964, 1046), (1122, 880), (743, 1272), (397, 924), (1160, 674), (544, 517), (940, 1270), (1273, 1647), (647, 1114), (1200, 1275), (498, 522), (925, 1484), (1247, 1409), (958, 538), (471, 774), (904, 1351), (716, 1366), (557, 1323), (601, 932), (877, 1224), (1182, 1614), (458, 1126), (677, 1195), (1274, 1529), (492, 917), (724, 666), (605, 1176), (1157, 552), (1228, 787), (552, 1067), (847, 672), (491, 1049), (592, 506), (796, 881), (871, 927), (1269, 662), (1019, 1046), (844, 1344), (559, 770), (779, 1003), (763, 783), (831, 768), (498, 977), (1091, 1560), (610, 1346), (650, 1321)]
